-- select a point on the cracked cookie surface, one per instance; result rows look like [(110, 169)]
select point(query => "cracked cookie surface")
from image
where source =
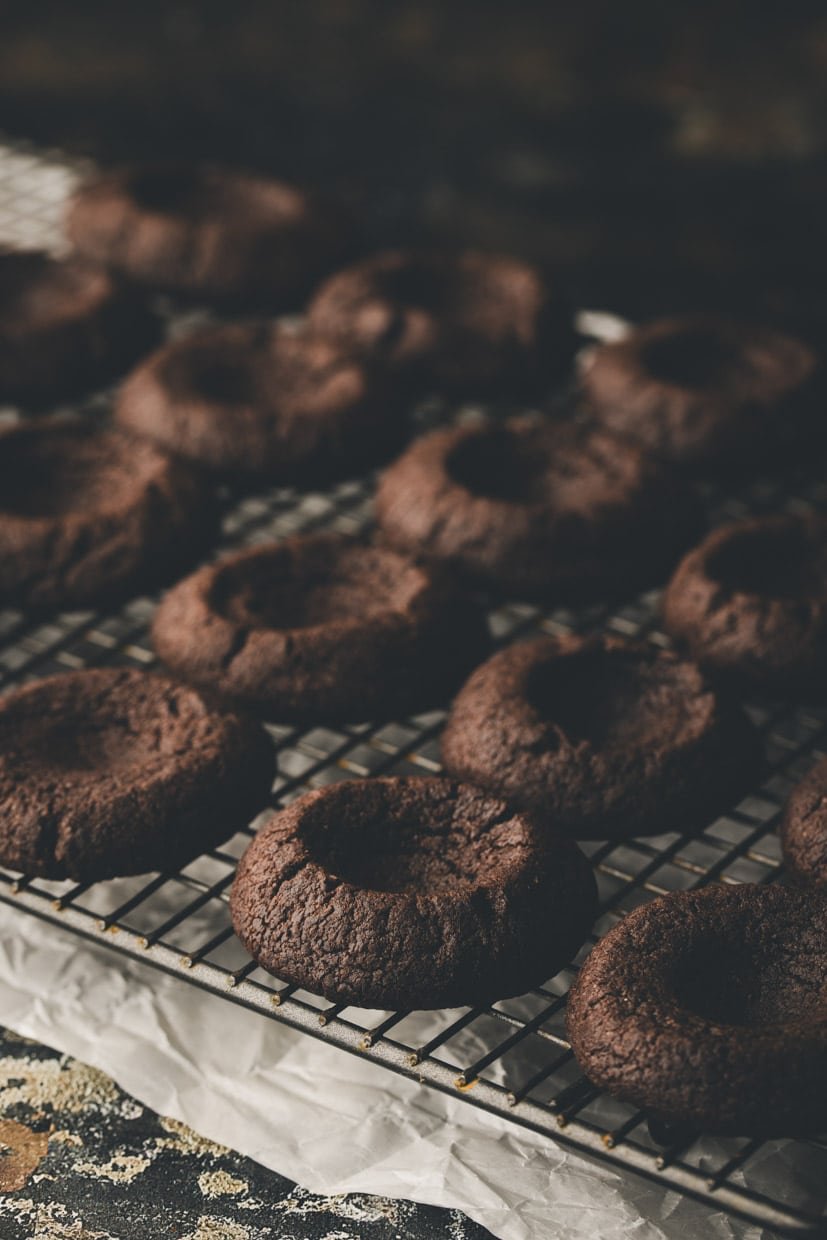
[(611, 739), (264, 401), (467, 323), (704, 391), (709, 1008), (209, 232), (411, 893), (750, 603), (113, 771), (536, 510), (89, 516), (321, 628), (804, 829), (66, 326)]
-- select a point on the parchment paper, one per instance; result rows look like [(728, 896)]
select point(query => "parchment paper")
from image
[(327, 1119)]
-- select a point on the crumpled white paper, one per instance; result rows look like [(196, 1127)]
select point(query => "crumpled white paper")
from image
[(329, 1120)]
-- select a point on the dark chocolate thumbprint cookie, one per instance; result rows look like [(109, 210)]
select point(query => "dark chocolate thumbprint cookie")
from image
[(114, 771), (804, 829), (750, 603), (548, 510), (610, 739), (706, 391), (90, 516), (320, 628), (259, 401), (709, 1008), (66, 327), (208, 232), (466, 323), (410, 893)]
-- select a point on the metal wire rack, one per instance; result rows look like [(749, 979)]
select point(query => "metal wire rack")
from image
[(511, 1058)]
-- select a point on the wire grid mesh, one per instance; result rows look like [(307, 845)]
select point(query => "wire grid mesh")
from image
[(512, 1057)]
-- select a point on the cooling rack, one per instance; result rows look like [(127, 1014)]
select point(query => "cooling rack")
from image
[(510, 1058)]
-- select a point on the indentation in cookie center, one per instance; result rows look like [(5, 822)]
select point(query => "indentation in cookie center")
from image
[(274, 594), (415, 284), (781, 563), (604, 698), (694, 357), (97, 750), (223, 380), (414, 852), (733, 985), (166, 189), (498, 465)]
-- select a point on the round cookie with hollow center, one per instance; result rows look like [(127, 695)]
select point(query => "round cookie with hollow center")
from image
[(750, 603), (548, 510), (65, 327), (90, 516), (467, 323), (208, 232), (410, 893), (321, 628), (610, 739), (709, 1008), (113, 771), (706, 391), (261, 401), (804, 829)]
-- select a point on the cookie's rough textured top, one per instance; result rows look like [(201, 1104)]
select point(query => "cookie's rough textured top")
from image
[(750, 603), (259, 400), (410, 893), (537, 510), (710, 1008), (114, 771), (804, 828), (701, 390), (65, 326), (207, 231), (321, 627), (610, 739), (469, 322), (89, 516)]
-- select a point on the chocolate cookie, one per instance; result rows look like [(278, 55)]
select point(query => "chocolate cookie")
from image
[(262, 400), (65, 327), (804, 828), (208, 232), (708, 1008), (750, 603), (701, 390), (610, 739), (537, 510), (321, 628), (89, 516), (462, 323), (410, 893), (113, 771)]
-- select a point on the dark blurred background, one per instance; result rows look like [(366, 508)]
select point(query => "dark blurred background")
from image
[(659, 154)]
